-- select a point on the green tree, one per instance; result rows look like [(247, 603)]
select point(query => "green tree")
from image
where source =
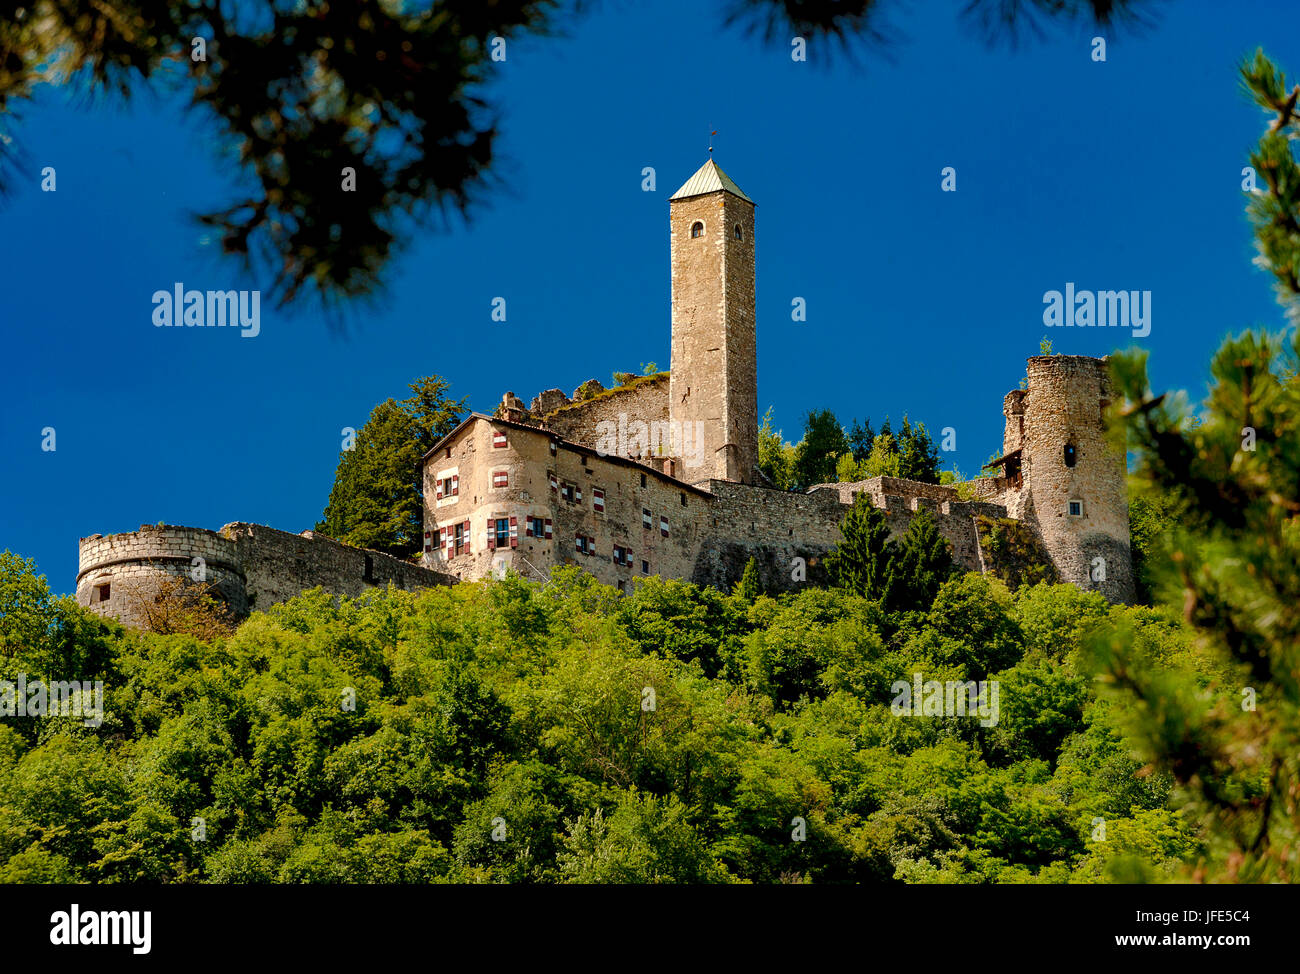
[(775, 456), (863, 561), (918, 458), (377, 498), (643, 840), (748, 588), (861, 437), (924, 563), (822, 444)]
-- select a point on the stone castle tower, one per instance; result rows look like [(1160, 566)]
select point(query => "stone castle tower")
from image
[(1064, 477), (713, 387)]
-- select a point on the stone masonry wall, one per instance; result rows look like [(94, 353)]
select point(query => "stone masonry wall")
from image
[(773, 527), (136, 565), (645, 401), (278, 565), (248, 566)]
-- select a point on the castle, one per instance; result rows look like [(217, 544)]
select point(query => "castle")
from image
[(660, 475)]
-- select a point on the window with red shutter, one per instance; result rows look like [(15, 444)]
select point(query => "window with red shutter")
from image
[(439, 489), (501, 478), (663, 526), (492, 533), (455, 484), (598, 500), (548, 528), (498, 439), (466, 529), (514, 532)]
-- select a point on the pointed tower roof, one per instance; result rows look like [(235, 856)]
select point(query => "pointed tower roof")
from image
[(709, 179)]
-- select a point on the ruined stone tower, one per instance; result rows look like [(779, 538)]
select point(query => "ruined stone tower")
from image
[(1074, 484), (713, 389)]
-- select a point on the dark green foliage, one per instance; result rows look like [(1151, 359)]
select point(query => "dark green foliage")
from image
[(860, 440), (815, 456), (863, 561), (918, 458), (377, 500), (924, 564)]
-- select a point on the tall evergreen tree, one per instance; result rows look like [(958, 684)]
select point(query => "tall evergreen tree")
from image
[(863, 561), (924, 563), (377, 497), (823, 442), (918, 458), (861, 438)]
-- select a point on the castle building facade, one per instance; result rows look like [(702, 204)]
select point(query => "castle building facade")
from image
[(660, 476)]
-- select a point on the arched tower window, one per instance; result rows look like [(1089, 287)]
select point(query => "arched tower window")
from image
[(1070, 456), (740, 234), (697, 229)]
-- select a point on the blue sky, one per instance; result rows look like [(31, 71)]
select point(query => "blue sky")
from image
[(1123, 174)]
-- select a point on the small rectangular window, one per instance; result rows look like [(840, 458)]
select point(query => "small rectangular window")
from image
[(645, 567), (555, 484), (683, 498), (646, 520), (643, 480), (567, 492), (461, 539), (1076, 508), (502, 530), (580, 543), (102, 592)]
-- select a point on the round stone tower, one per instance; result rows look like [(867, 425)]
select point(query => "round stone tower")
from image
[(1077, 484), (120, 575)]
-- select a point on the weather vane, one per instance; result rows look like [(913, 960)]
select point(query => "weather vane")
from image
[(711, 135)]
